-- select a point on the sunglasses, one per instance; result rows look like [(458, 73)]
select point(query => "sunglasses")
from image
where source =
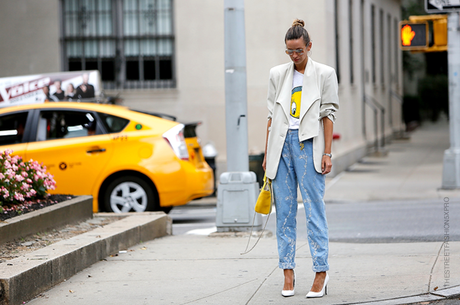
[(291, 52)]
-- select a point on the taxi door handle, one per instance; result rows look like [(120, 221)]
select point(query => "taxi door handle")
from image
[(95, 150)]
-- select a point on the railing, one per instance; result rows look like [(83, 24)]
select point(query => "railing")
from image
[(399, 98), (397, 95), (376, 106)]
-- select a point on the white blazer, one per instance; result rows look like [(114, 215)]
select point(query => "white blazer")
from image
[(319, 99)]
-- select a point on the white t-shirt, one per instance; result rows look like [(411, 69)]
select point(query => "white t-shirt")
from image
[(296, 94)]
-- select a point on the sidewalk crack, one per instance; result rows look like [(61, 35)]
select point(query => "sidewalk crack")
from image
[(199, 299), (432, 268), (261, 284)]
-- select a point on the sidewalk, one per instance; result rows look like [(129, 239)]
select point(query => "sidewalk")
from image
[(190, 269)]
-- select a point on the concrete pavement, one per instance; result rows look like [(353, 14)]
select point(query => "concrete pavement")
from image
[(202, 270), (194, 269), (31, 273)]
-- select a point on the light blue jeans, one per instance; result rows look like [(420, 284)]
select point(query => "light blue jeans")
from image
[(296, 166)]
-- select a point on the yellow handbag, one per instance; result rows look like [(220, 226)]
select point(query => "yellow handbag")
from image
[(264, 201)]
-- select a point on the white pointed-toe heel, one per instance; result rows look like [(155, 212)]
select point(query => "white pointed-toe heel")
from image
[(321, 293), (289, 293)]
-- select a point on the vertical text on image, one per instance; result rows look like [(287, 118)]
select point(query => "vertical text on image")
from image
[(446, 243)]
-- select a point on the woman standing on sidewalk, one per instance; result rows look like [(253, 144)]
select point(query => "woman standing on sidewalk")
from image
[(302, 101)]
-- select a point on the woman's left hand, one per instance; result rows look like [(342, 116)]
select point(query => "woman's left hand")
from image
[(326, 165)]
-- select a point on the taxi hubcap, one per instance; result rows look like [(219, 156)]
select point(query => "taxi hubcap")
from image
[(128, 196)]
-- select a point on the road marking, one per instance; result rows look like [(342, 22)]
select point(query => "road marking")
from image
[(335, 179), (205, 231), (194, 224)]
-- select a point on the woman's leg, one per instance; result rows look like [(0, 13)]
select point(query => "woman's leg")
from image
[(311, 184), (285, 192)]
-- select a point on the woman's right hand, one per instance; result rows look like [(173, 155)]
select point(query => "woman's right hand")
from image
[(264, 163)]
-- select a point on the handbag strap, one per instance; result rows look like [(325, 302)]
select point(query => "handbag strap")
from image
[(246, 251)]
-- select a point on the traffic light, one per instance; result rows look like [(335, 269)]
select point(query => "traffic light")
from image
[(413, 36), (440, 32)]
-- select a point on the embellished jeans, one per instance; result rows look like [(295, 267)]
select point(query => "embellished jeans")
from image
[(296, 166)]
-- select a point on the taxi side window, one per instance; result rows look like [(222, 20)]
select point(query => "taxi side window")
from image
[(113, 123), (65, 124), (12, 128)]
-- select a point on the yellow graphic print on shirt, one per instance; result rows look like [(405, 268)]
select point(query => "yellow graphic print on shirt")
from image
[(295, 101)]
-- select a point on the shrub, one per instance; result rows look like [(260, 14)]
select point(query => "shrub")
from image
[(22, 182)]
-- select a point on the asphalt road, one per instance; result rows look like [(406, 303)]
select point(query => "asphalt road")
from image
[(360, 222), (188, 218)]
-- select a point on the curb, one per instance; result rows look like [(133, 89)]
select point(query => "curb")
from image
[(24, 278), (427, 298), (67, 212), (203, 202)]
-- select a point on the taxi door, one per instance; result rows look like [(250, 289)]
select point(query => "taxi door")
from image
[(72, 146)]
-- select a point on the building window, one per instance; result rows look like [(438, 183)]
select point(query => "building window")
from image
[(362, 42), (390, 44), (130, 42), (373, 48), (350, 37), (396, 48), (337, 41), (382, 49)]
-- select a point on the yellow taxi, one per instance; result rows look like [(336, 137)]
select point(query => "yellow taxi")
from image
[(127, 160)]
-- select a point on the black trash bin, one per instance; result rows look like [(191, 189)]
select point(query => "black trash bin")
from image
[(255, 165), (212, 164)]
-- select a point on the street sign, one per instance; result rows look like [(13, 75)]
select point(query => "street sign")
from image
[(413, 36), (442, 6)]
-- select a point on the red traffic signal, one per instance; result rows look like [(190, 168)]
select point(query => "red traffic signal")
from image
[(413, 36)]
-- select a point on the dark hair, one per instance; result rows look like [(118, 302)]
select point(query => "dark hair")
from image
[(296, 31)]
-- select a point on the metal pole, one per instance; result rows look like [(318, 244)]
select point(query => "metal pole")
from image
[(383, 126), (451, 170), (238, 188), (235, 87)]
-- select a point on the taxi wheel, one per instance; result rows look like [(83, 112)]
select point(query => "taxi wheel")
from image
[(129, 194)]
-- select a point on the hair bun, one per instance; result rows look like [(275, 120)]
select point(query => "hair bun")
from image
[(298, 22)]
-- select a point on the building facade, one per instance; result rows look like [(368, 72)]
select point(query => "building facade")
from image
[(168, 56)]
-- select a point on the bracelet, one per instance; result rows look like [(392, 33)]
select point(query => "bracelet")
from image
[(329, 155)]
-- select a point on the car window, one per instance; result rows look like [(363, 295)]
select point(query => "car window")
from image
[(190, 130), (113, 123), (65, 124), (12, 128)]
